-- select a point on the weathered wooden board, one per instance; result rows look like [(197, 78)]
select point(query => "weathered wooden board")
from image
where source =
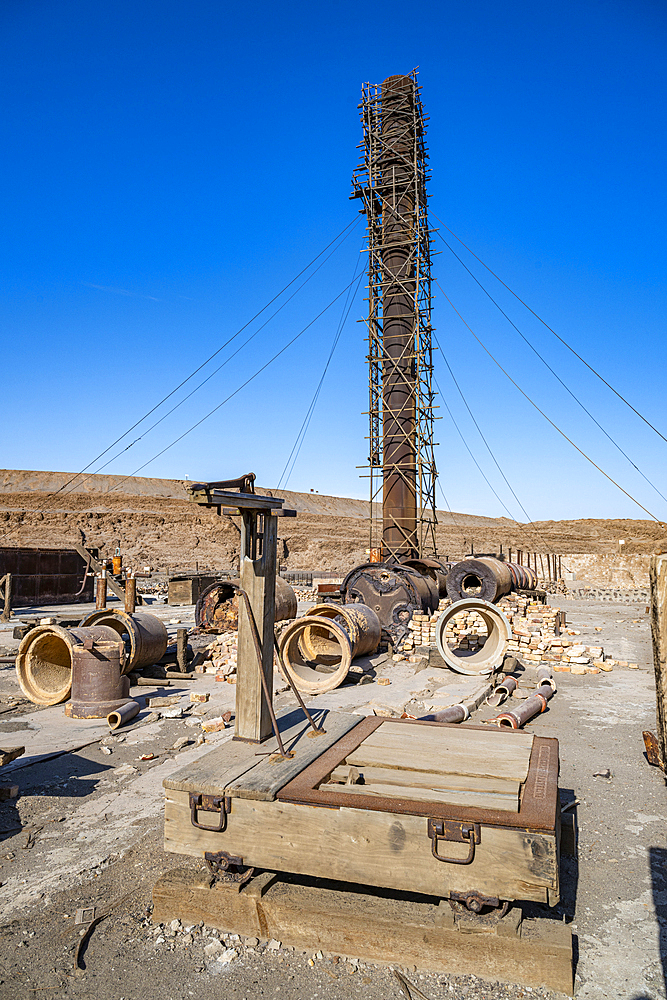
[(414, 758), (251, 770), (456, 796), (427, 779), (370, 847), (8, 754), (374, 928)]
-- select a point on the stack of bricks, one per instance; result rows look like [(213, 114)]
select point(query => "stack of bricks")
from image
[(220, 657), (537, 636)]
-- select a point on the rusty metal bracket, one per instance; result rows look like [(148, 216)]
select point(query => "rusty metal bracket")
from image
[(228, 868), (221, 805), (476, 901), (454, 832)]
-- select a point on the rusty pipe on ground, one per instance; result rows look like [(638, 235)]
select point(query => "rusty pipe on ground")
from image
[(487, 578), (462, 711), (316, 651), (544, 676), (503, 691), (515, 718), (123, 714)]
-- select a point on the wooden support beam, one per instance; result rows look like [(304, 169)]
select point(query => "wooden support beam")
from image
[(378, 927), (6, 583), (98, 566), (657, 751), (258, 579)]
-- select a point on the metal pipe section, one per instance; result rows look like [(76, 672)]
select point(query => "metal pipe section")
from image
[(515, 718), (211, 610), (45, 657), (317, 653), (393, 592), (98, 683), (146, 635), (359, 621), (432, 568), (503, 691), (123, 714), (491, 655), (487, 578), (399, 500)]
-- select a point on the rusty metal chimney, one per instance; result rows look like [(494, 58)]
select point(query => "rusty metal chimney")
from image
[(399, 499)]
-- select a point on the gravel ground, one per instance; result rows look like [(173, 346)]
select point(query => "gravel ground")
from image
[(80, 834)]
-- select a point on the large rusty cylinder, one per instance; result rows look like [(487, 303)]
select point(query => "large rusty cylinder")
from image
[(395, 593), (359, 621), (491, 655), (523, 577), (45, 656), (399, 317), (98, 683), (217, 609), (316, 652), (434, 568), (144, 635), (485, 578)]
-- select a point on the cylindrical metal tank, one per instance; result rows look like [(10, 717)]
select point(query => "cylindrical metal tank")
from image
[(434, 568), (359, 621), (393, 592), (317, 650), (490, 656), (98, 683), (44, 660), (146, 635), (214, 613), (485, 578)]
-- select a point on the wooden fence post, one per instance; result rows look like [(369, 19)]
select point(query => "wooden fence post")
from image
[(7, 596), (656, 749)]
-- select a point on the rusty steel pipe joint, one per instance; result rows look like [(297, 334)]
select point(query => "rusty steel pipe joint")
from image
[(535, 705)]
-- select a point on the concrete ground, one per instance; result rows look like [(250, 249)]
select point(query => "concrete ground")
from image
[(86, 831)]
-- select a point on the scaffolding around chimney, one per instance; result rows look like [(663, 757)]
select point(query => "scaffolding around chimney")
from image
[(390, 180)]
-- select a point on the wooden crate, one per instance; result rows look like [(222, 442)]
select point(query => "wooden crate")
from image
[(186, 589), (496, 787)]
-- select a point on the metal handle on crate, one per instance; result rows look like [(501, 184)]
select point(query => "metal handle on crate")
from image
[(209, 803), (458, 833)]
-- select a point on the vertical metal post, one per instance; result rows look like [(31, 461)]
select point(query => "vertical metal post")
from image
[(658, 579), (258, 578), (101, 591)]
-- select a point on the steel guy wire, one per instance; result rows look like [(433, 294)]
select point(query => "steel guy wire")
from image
[(548, 419), (555, 374), (551, 330)]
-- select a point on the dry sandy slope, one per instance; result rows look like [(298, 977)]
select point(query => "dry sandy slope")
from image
[(154, 522)]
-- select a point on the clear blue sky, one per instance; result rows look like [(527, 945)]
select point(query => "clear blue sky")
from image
[(167, 167)]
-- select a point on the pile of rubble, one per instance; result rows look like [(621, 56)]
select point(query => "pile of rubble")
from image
[(219, 657)]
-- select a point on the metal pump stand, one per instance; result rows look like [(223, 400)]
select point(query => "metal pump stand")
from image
[(255, 718)]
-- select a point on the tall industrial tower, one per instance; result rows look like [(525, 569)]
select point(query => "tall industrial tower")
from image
[(391, 181)]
